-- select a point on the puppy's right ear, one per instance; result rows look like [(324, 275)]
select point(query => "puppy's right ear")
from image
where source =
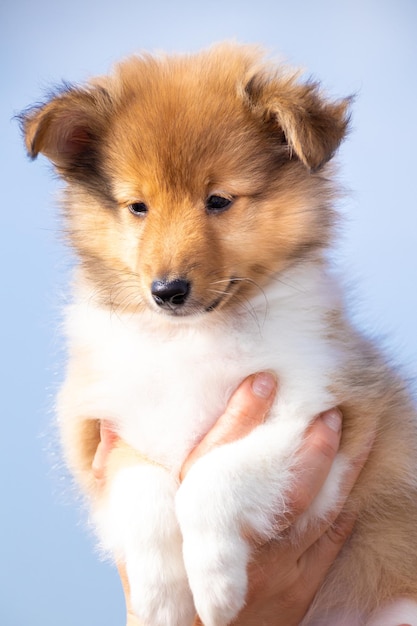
[(68, 128)]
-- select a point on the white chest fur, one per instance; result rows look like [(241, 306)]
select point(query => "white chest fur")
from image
[(164, 382)]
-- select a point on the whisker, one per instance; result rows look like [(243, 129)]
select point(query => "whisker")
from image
[(244, 304)]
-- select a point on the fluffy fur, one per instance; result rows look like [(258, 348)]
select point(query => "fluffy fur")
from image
[(208, 175)]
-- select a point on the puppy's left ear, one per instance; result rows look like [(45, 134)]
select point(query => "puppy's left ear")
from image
[(313, 126)]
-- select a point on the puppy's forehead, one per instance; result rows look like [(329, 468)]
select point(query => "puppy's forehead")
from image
[(184, 124)]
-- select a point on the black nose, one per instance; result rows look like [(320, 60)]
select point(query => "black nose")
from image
[(170, 293)]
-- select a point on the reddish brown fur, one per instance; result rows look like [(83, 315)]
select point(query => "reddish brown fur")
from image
[(171, 131), (146, 127)]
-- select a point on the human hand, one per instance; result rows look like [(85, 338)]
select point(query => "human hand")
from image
[(284, 575)]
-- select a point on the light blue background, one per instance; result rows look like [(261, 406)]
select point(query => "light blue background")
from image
[(49, 574)]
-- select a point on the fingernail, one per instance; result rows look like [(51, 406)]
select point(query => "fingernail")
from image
[(333, 419), (263, 385)]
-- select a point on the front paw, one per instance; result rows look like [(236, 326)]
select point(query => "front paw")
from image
[(137, 523), (229, 493), (215, 557), (217, 576), (159, 592)]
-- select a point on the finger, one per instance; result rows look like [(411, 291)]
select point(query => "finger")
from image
[(131, 619), (246, 409), (310, 569), (333, 525), (125, 582), (300, 577), (317, 560), (314, 461), (107, 441)]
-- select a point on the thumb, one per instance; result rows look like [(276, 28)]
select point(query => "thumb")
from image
[(246, 409)]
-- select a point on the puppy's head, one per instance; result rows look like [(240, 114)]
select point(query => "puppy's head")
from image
[(192, 181)]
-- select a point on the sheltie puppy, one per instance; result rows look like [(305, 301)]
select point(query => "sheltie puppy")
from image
[(199, 199)]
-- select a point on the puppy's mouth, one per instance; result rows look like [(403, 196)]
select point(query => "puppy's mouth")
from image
[(175, 297), (231, 287)]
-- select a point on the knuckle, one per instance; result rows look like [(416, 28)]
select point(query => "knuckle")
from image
[(293, 595), (242, 416), (300, 503), (340, 530), (326, 449)]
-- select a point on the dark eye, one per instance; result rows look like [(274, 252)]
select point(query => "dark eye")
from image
[(217, 204), (138, 208)]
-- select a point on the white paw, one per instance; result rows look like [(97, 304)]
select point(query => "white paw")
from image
[(216, 570), (215, 554), (231, 491), (138, 524), (160, 594)]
